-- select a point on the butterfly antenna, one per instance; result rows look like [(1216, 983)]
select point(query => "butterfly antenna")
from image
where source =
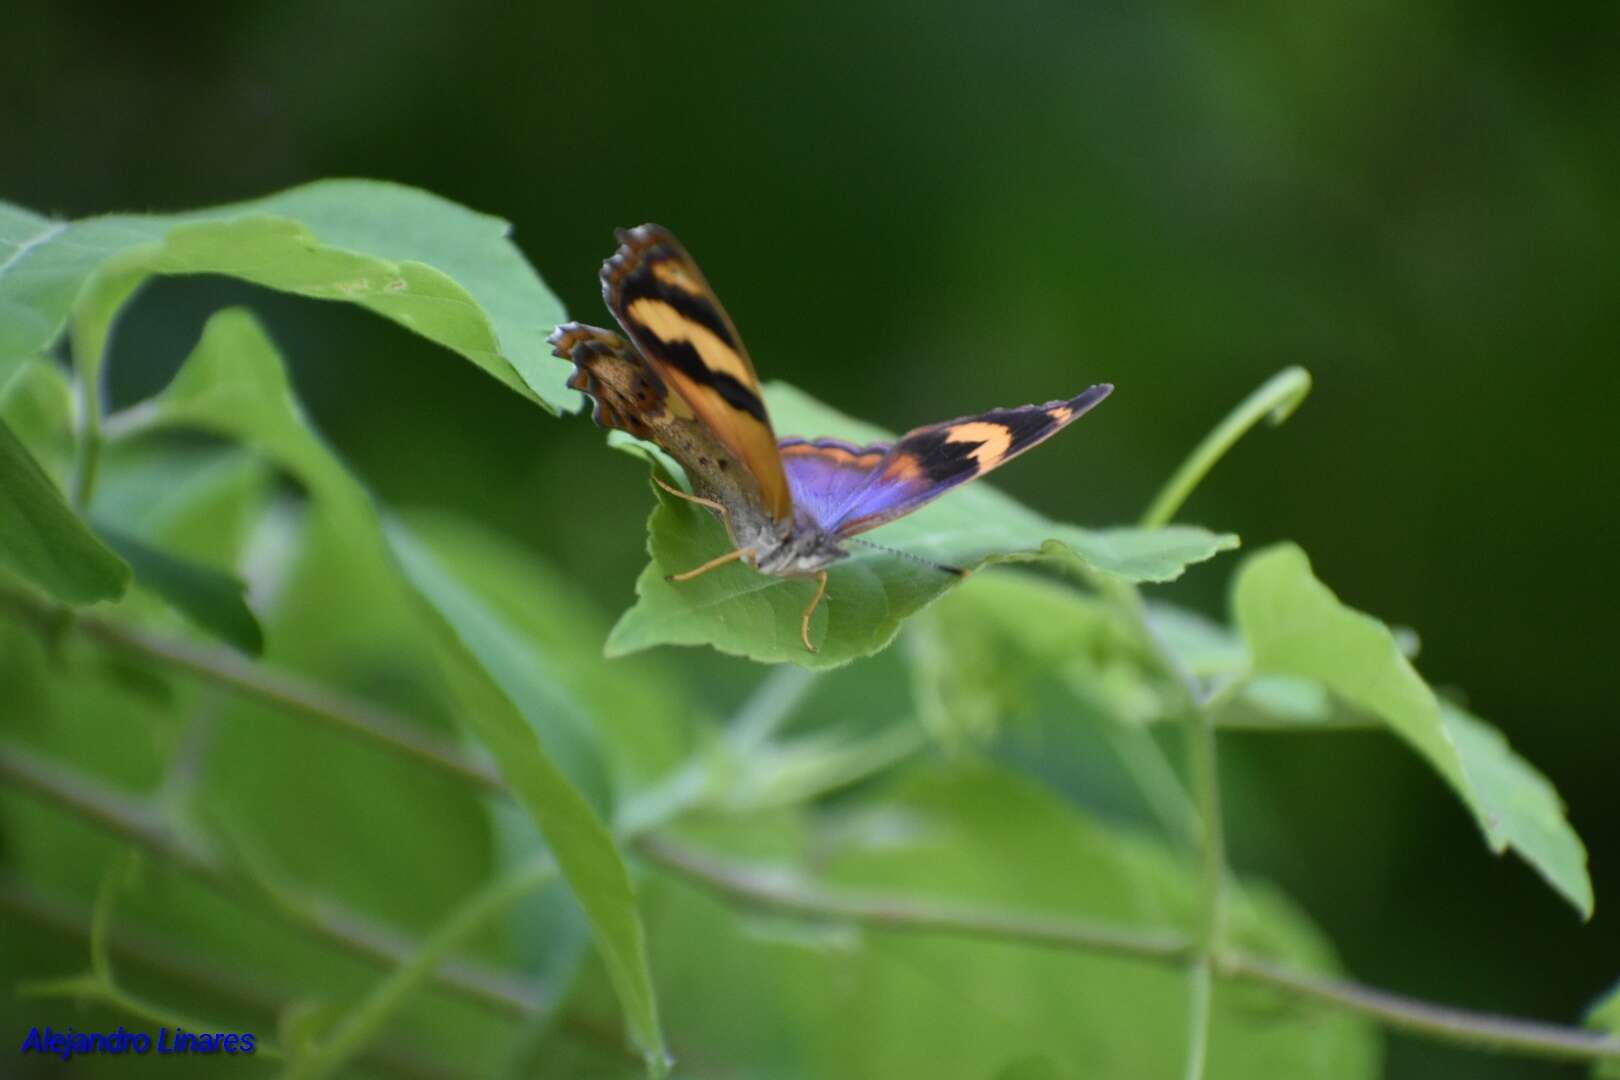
[(941, 567)]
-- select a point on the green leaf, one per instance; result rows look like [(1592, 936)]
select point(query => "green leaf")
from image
[(446, 272), (796, 771), (234, 384), (964, 835), (1204, 648), (635, 712), (1525, 811), (523, 673), (1295, 626), (210, 598), (1604, 1016), (200, 503), (103, 297), (1217, 657), (36, 400), (337, 609), (43, 541), (475, 660), (738, 610), (350, 1033), (981, 656), (1030, 1068)]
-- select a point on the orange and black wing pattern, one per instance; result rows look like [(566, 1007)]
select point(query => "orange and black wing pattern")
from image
[(630, 396), (850, 489), (625, 392), (660, 297)]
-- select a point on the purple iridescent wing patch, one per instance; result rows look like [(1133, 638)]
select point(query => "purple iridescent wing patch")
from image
[(826, 475), (850, 489)]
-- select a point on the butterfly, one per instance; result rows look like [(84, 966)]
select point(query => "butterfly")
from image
[(684, 381)]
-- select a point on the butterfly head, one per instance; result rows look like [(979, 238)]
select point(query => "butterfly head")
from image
[(803, 548)]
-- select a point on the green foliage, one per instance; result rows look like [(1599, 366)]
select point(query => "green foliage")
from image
[(210, 598), (365, 1021), (36, 400), (234, 384), (439, 269), (1605, 1017), (1296, 626), (487, 681), (42, 541), (613, 727), (450, 646), (855, 1003), (740, 611), (984, 655)]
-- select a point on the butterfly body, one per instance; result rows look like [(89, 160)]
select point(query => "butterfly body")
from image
[(802, 549), (630, 396), (684, 382)]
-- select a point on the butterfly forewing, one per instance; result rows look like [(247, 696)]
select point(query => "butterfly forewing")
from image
[(661, 299)]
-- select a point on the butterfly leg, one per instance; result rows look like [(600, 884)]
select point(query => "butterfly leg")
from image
[(730, 556), (815, 601), (679, 494)]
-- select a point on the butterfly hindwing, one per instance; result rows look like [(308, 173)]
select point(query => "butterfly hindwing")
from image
[(630, 396), (827, 474), (660, 297), (626, 393), (854, 489)]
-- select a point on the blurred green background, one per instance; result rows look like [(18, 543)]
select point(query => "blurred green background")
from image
[(918, 210)]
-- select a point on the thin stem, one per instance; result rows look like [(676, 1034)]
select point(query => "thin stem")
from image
[(230, 670), (70, 917), (1276, 398), (87, 451), (786, 892), (747, 885), (171, 959), (94, 313), (1211, 930), (1207, 793), (1200, 998), (1156, 778), (772, 704), (92, 987), (128, 422), (361, 1024), (1202, 762), (1488, 1031), (335, 709), (119, 877), (763, 888), (101, 985), (139, 822)]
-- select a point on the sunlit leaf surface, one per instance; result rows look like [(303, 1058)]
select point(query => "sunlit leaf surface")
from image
[(446, 272)]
